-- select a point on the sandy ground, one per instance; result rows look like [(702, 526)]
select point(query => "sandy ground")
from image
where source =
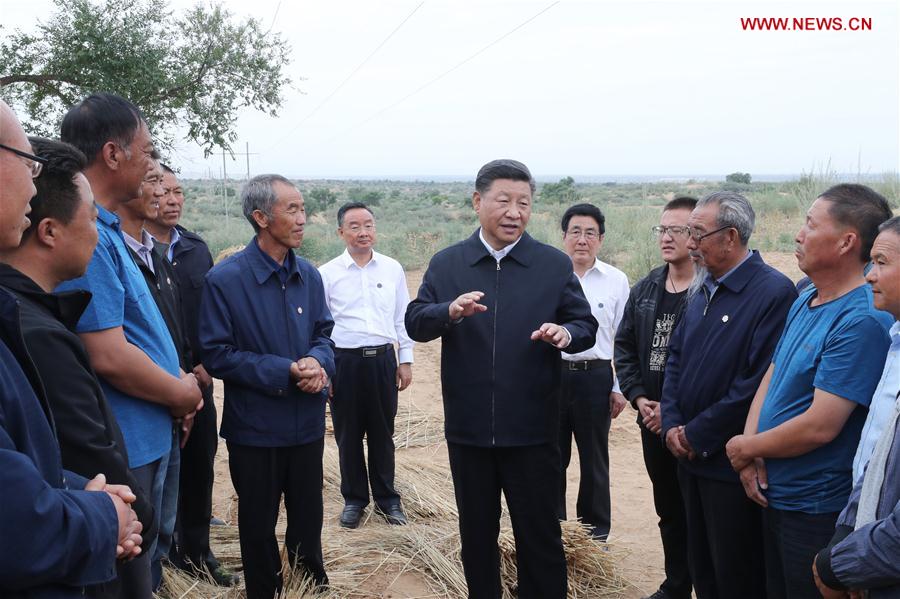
[(634, 521)]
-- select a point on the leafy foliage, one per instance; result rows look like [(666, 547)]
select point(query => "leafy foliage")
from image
[(319, 199), (563, 192), (194, 71), (738, 177)]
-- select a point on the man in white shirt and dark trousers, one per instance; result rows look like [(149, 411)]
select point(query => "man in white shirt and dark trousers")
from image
[(366, 293), (590, 395)]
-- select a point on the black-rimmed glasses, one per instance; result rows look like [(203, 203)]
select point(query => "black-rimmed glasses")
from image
[(35, 163), (700, 235)]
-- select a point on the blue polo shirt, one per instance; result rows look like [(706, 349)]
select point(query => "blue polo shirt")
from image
[(837, 347), (121, 298)]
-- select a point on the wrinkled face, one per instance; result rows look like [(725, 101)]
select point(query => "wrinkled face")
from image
[(152, 191), (884, 277), (358, 231), (79, 237), (16, 185), (713, 249), (135, 161), (673, 247), (285, 225), (172, 202), (819, 239), (503, 211), (582, 240)]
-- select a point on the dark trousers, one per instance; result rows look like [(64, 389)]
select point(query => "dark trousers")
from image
[(527, 476), (725, 548), (134, 578), (584, 412), (260, 475), (662, 467), (792, 540), (196, 484), (365, 404)]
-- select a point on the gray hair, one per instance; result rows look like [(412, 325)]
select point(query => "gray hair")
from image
[(892, 224), (734, 211), (259, 194)]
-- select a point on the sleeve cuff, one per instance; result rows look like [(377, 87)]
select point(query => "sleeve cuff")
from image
[(826, 574), (405, 356)]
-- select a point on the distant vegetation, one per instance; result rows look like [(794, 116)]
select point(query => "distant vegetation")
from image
[(415, 219)]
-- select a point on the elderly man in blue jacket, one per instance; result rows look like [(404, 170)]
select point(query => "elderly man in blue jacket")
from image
[(57, 532), (504, 305), (717, 357), (264, 330)]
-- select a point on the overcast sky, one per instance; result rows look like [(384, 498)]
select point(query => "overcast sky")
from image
[(583, 88)]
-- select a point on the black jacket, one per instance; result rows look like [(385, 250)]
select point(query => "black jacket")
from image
[(501, 388), (163, 285), (634, 336), (89, 436), (191, 261)]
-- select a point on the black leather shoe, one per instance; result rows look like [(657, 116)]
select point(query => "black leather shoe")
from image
[(219, 574), (351, 516), (394, 515)]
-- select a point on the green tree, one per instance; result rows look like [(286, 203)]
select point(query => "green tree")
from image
[(193, 71), (319, 199), (738, 177), (563, 192), (369, 197)]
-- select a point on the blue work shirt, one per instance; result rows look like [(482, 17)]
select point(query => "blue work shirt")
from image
[(252, 327), (121, 298), (718, 355), (828, 347)]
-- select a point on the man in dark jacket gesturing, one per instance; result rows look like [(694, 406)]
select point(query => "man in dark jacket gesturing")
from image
[(493, 299)]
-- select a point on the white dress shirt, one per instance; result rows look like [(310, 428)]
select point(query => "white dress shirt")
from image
[(143, 248), (606, 289), (368, 303)]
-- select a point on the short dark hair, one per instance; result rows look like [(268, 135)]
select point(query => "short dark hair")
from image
[(892, 224), (860, 207), (583, 210), (57, 195), (503, 168), (98, 119), (351, 206), (166, 168), (680, 203)]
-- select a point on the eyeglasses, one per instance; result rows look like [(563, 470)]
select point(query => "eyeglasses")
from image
[(35, 163), (588, 234), (673, 230), (700, 235)]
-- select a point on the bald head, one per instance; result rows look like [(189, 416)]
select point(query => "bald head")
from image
[(16, 185)]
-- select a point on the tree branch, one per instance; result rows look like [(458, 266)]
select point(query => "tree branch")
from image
[(42, 80)]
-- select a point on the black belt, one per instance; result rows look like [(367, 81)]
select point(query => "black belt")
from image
[(366, 352), (586, 364)]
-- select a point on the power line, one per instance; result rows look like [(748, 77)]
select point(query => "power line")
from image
[(445, 73), (348, 77)]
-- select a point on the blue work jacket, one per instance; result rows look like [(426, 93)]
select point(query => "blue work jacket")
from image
[(53, 539), (252, 327), (717, 357)]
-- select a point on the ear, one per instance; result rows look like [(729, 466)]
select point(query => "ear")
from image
[(262, 221), (476, 201), (109, 154), (849, 242), (47, 232)]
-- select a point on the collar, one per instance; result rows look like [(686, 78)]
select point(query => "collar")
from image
[(475, 250), (347, 260), (146, 242), (736, 278), (895, 336), (66, 306), (497, 254), (106, 217), (264, 267)]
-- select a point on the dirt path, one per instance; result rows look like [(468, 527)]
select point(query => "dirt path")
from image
[(634, 522)]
